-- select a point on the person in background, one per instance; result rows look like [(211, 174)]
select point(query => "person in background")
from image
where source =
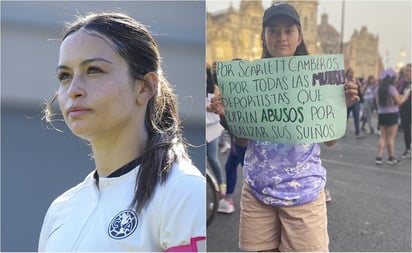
[(225, 138), (113, 94), (283, 203), (405, 110), (355, 108), (369, 91), (235, 157), (213, 132), (388, 101)]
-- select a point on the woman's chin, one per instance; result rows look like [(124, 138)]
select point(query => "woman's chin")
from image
[(82, 130)]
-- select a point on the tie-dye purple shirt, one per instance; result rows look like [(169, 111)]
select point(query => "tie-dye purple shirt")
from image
[(284, 174)]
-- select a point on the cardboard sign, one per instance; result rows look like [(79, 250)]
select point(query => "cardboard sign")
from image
[(297, 99)]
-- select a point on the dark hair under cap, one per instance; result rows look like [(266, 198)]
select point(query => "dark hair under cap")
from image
[(281, 9)]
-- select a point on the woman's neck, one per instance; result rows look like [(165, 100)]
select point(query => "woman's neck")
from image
[(112, 152)]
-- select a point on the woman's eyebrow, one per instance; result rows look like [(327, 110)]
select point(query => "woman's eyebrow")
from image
[(85, 62)]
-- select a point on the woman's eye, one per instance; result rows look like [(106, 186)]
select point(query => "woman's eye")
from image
[(94, 70), (288, 31), (63, 76)]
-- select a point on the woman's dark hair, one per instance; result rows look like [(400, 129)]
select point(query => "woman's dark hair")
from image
[(210, 85), (300, 50), (384, 97), (165, 143), (370, 78)]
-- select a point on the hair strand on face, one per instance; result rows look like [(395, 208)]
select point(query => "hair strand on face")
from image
[(49, 115)]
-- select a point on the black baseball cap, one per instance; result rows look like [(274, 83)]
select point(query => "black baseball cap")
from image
[(281, 9)]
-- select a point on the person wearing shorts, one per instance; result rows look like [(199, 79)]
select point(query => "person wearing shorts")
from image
[(388, 101)]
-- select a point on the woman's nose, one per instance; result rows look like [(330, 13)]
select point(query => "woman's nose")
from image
[(280, 35), (77, 87)]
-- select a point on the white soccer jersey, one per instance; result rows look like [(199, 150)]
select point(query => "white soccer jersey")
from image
[(91, 218)]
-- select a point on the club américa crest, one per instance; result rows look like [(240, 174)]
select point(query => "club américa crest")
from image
[(123, 224)]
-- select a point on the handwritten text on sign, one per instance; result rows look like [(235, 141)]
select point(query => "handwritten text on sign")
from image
[(296, 99)]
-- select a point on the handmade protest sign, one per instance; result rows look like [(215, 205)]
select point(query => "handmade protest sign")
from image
[(297, 99)]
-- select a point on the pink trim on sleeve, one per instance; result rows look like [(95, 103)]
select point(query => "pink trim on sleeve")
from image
[(192, 247)]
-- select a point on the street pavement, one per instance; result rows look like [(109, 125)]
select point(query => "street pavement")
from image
[(371, 204)]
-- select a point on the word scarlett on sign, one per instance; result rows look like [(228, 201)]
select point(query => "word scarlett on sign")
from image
[(275, 66)]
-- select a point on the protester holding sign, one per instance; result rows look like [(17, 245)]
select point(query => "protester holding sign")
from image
[(283, 202)]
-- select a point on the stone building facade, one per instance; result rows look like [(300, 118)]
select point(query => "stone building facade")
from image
[(236, 34), (361, 53), (329, 38)]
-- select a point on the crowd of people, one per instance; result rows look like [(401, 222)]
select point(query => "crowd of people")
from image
[(384, 108)]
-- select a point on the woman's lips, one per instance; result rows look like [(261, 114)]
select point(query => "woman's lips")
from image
[(77, 111)]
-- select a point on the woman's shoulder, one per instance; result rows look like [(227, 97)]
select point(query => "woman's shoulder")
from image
[(74, 191), (183, 175), (393, 90), (185, 183), (184, 168)]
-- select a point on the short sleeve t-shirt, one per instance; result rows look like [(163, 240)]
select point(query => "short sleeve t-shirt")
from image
[(91, 218), (391, 107), (284, 174)]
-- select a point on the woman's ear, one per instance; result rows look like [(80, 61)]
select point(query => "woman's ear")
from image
[(146, 88)]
